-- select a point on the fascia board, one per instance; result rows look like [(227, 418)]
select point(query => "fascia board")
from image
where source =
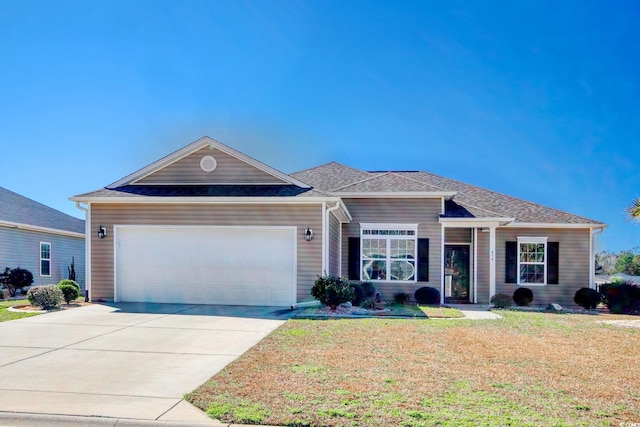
[(205, 200), (20, 226), (195, 146)]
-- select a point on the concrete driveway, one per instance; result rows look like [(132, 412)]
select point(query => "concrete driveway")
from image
[(127, 361)]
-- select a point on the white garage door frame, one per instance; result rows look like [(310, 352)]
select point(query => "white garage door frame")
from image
[(292, 229)]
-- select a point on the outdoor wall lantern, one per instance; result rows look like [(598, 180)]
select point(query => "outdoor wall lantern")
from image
[(308, 234), (102, 232)]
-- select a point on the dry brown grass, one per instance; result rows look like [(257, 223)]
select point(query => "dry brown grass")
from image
[(533, 369)]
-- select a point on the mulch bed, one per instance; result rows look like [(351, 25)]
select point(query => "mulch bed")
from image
[(37, 309), (391, 311)]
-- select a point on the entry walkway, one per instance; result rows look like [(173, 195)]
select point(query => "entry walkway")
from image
[(476, 311)]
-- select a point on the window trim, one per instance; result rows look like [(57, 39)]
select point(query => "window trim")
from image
[(391, 227), (45, 259), (534, 240)]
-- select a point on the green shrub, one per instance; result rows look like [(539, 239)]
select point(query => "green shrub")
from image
[(523, 296), (369, 289), (621, 297), (17, 278), (427, 296), (587, 298), (358, 294), (501, 301), (401, 298), (69, 282), (332, 291), (369, 303), (69, 292), (47, 296)]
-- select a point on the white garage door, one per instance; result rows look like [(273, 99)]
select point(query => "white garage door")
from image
[(206, 265)]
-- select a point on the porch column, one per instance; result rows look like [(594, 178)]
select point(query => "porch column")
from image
[(492, 261)]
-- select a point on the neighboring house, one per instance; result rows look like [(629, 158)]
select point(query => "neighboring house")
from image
[(208, 224), (40, 239)]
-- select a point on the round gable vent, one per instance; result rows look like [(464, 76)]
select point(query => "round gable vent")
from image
[(208, 163)]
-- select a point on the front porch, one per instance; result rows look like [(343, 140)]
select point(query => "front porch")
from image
[(468, 260)]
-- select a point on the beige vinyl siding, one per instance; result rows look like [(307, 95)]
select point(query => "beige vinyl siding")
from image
[(229, 170), (334, 246), (309, 254), (457, 235), (574, 263), (21, 248), (423, 212), (483, 268)]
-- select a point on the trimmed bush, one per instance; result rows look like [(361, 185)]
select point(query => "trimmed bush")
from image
[(69, 292), (358, 294), (501, 301), (47, 296), (369, 289), (69, 282), (332, 291), (427, 296), (621, 297), (401, 298), (523, 296), (587, 298)]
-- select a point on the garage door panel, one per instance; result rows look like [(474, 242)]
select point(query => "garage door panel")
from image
[(206, 265)]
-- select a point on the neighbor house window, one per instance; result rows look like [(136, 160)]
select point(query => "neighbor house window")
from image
[(532, 260), (45, 259), (388, 252)]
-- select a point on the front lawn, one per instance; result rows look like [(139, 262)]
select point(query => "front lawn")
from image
[(438, 312), (527, 369), (10, 315)]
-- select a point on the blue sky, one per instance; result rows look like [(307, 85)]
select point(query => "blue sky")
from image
[(539, 100)]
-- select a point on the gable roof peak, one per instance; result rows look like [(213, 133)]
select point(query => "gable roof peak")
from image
[(192, 148)]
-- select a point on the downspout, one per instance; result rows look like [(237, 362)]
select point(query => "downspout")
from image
[(87, 249), (325, 236), (592, 256)]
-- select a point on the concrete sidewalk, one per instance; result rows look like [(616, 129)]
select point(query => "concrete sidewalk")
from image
[(476, 311), (123, 361)]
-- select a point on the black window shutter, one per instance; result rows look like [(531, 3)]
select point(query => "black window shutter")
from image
[(511, 264), (553, 265), (423, 260), (354, 258)]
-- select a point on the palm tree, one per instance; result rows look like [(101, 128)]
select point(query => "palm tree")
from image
[(634, 209)]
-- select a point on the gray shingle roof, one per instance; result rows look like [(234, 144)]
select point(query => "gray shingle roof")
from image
[(337, 180), (331, 176), (22, 210), (469, 202), (385, 182)]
